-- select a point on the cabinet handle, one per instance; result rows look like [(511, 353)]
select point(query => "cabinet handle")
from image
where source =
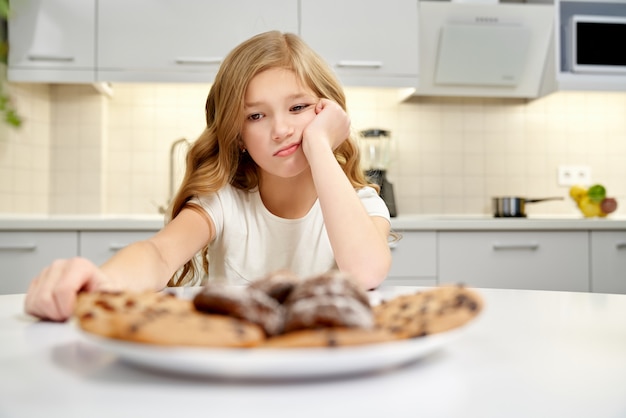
[(516, 246), (360, 64), (18, 247), (56, 58), (116, 246), (620, 245), (198, 60)]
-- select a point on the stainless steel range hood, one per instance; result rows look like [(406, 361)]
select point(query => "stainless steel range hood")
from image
[(486, 50)]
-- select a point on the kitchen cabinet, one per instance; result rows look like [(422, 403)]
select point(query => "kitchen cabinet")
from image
[(567, 78), (608, 261), (368, 43), (52, 41), (414, 259), (181, 41), (99, 246), (516, 259), (24, 254)]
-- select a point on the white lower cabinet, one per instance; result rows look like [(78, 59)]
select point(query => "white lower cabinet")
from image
[(99, 246), (608, 261), (414, 260), (553, 260), (24, 254)]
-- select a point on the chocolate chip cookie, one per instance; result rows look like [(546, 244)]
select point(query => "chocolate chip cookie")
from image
[(428, 312)]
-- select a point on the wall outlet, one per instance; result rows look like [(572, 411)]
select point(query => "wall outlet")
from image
[(570, 175)]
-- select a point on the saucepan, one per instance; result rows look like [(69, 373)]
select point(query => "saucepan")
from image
[(513, 206)]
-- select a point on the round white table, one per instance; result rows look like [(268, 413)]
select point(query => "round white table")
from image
[(530, 354)]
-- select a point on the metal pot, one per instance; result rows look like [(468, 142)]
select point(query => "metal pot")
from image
[(514, 207)]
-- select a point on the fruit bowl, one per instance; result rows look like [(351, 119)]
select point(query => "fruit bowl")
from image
[(593, 201)]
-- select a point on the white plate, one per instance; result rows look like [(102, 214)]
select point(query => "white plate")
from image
[(271, 363)]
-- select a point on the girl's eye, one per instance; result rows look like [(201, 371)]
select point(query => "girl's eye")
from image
[(298, 108), (255, 116)]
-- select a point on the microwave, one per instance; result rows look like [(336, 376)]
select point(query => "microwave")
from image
[(597, 44)]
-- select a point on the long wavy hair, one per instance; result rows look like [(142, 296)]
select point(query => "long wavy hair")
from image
[(215, 158)]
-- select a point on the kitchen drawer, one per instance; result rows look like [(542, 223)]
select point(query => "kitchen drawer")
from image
[(414, 259), (608, 261), (24, 254), (99, 246), (516, 260)]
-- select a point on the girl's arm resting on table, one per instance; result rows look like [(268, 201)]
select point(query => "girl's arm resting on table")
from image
[(144, 265), (359, 241), (150, 264)]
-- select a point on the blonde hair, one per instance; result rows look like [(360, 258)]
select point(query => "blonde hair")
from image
[(215, 159)]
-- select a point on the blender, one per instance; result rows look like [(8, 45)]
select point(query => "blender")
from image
[(375, 147)]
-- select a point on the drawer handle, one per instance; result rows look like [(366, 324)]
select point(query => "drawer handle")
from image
[(515, 246), (55, 58), (360, 64), (198, 60), (620, 245), (116, 246), (18, 247)]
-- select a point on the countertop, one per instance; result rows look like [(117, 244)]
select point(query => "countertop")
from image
[(529, 354), (401, 223)]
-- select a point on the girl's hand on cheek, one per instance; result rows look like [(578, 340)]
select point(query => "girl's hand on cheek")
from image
[(331, 124)]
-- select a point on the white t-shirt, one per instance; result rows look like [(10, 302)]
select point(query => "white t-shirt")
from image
[(250, 241)]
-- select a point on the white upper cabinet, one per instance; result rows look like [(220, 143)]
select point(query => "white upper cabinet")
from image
[(52, 41), (183, 40), (368, 43)]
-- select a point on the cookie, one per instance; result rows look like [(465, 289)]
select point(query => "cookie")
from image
[(428, 312), (332, 283), (322, 311), (277, 285), (329, 337), (94, 310), (160, 319), (245, 303)]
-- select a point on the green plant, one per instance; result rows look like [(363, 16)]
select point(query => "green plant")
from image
[(11, 116)]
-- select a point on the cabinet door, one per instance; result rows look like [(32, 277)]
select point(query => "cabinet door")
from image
[(608, 261), (414, 260), (516, 260), (52, 41), (99, 246), (24, 254), (366, 42), (184, 40)]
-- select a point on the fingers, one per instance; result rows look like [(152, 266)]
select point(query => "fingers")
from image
[(331, 122), (52, 294)]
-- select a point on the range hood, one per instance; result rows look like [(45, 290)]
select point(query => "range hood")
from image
[(486, 50)]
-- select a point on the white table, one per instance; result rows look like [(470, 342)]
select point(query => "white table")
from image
[(531, 354)]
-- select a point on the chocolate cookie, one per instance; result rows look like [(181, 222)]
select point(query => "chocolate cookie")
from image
[(322, 311), (432, 311), (329, 337), (332, 283), (161, 319), (278, 285), (245, 303)]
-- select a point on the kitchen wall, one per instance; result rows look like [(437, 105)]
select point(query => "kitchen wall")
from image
[(82, 152)]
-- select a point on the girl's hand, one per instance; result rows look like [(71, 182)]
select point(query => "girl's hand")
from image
[(52, 294), (331, 124)]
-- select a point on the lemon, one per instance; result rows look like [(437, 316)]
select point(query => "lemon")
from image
[(577, 192), (589, 208), (596, 193)]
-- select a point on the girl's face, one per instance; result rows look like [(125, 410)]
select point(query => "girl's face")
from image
[(277, 108)]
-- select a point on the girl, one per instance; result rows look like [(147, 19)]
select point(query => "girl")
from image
[(272, 183)]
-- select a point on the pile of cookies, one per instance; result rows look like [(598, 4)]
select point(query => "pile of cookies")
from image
[(279, 310)]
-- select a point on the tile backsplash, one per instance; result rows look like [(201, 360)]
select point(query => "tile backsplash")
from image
[(81, 152)]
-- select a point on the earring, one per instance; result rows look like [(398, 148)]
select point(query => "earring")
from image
[(243, 150)]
